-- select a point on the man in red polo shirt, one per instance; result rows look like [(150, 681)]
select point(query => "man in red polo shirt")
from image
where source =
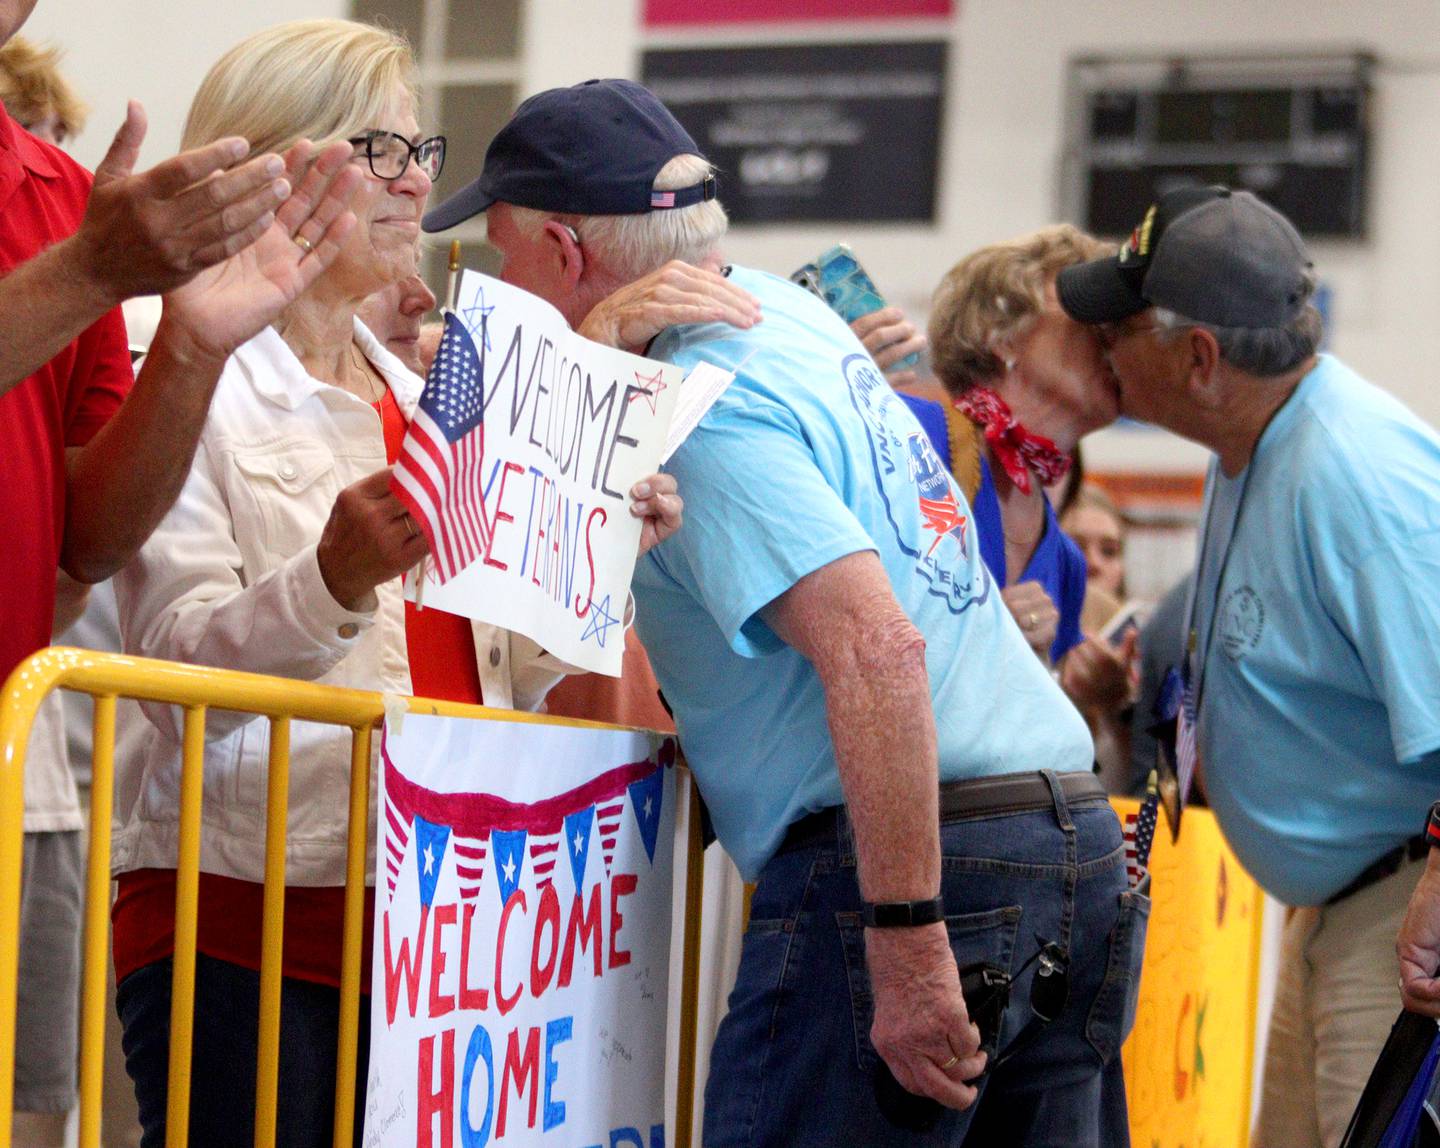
[(229, 241)]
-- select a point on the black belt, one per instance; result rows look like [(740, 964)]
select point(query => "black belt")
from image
[(962, 800), (1384, 866)]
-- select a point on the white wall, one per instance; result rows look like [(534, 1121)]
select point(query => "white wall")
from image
[(156, 51)]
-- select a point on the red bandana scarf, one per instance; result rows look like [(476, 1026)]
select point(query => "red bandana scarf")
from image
[(1018, 450)]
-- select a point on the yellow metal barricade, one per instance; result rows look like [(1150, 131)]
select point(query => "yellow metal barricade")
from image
[(108, 677)]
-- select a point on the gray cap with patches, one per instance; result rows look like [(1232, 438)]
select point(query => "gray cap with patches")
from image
[(1206, 253)]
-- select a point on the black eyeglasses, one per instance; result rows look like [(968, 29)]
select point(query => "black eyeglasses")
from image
[(389, 154)]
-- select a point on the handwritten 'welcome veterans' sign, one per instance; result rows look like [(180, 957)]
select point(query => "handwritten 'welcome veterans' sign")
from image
[(568, 427), (522, 936)]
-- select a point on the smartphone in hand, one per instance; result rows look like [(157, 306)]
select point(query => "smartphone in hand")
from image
[(837, 277)]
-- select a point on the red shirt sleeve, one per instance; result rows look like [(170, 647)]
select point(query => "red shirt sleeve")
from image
[(101, 379)]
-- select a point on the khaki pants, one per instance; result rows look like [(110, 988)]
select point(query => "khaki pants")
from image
[(1335, 1001)]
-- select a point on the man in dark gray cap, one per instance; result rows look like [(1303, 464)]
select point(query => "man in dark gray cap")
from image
[(1313, 631), (875, 741)]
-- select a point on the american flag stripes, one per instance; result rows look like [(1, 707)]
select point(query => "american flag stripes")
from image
[(544, 852), (469, 864), (608, 822), (1186, 750), (438, 473), (1140, 836), (1133, 869)]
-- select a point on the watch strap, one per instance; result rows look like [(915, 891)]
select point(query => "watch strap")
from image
[(1432, 826), (902, 914)]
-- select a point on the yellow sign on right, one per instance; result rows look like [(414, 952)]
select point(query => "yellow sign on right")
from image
[(1189, 1062)]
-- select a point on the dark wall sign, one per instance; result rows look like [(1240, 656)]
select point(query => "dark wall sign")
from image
[(822, 133)]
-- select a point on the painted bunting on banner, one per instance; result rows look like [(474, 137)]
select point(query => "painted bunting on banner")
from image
[(430, 842), (577, 841), (507, 850)]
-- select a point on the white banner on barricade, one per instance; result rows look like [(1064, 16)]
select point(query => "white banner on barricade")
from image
[(519, 466), (522, 936)]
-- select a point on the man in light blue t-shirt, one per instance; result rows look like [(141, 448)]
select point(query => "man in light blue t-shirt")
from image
[(874, 739), (1313, 626)]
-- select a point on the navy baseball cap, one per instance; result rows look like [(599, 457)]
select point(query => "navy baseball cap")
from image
[(1207, 253), (593, 149)]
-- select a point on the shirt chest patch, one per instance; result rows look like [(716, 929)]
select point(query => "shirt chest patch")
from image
[(906, 467), (1242, 622)]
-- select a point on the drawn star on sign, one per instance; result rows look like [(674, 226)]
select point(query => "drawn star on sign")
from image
[(478, 316), (429, 860), (650, 388), (600, 622)]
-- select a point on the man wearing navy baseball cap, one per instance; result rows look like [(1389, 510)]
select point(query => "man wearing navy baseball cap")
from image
[(816, 628), (1314, 628)]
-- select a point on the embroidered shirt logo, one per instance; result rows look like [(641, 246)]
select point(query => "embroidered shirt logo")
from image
[(1242, 622)]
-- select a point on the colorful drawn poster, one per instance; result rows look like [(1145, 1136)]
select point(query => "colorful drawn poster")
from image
[(522, 936), (1189, 1060), (568, 427)]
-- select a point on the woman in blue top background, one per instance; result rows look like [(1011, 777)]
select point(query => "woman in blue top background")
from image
[(1024, 383)]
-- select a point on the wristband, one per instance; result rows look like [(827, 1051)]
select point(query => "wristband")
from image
[(902, 914), (1432, 826)]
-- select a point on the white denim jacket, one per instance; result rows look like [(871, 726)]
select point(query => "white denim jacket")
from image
[(231, 579)]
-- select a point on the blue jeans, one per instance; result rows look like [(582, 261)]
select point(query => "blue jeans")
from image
[(223, 1069), (793, 1064)]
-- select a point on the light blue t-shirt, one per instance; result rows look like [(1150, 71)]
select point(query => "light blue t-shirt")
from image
[(809, 456), (1320, 676)]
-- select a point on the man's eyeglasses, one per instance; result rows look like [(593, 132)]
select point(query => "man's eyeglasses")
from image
[(389, 154)]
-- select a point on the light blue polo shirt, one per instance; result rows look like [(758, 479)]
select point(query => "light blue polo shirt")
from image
[(1320, 688), (807, 457)]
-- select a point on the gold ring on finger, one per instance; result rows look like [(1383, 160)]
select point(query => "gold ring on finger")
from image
[(952, 1062), (304, 244), (410, 526)]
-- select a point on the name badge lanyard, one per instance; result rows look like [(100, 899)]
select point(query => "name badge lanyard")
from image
[(1193, 668)]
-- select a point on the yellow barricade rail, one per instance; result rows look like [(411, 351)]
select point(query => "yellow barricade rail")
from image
[(108, 677)]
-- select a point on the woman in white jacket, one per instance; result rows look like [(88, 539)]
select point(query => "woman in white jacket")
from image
[(282, 556)]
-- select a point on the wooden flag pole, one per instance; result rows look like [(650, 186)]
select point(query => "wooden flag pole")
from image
[(452, 282)]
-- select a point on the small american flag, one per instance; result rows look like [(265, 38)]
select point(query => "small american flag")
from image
[(1140, 835), (438, 471), (662, 199), (1186, 750), (1133, 868)]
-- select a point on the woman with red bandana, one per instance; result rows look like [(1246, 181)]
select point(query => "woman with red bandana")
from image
[(1024, 384)]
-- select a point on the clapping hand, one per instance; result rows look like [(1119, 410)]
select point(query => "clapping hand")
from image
[(232, 301)]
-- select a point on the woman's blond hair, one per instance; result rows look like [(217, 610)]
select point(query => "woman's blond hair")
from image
[(31, 87), (320, 80), (993, 294)]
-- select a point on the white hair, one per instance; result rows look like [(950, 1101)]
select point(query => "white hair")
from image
[(634, 245), (1266, 352)]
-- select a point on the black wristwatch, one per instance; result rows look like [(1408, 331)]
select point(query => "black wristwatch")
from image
[(1432, 826), (902, 914)]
